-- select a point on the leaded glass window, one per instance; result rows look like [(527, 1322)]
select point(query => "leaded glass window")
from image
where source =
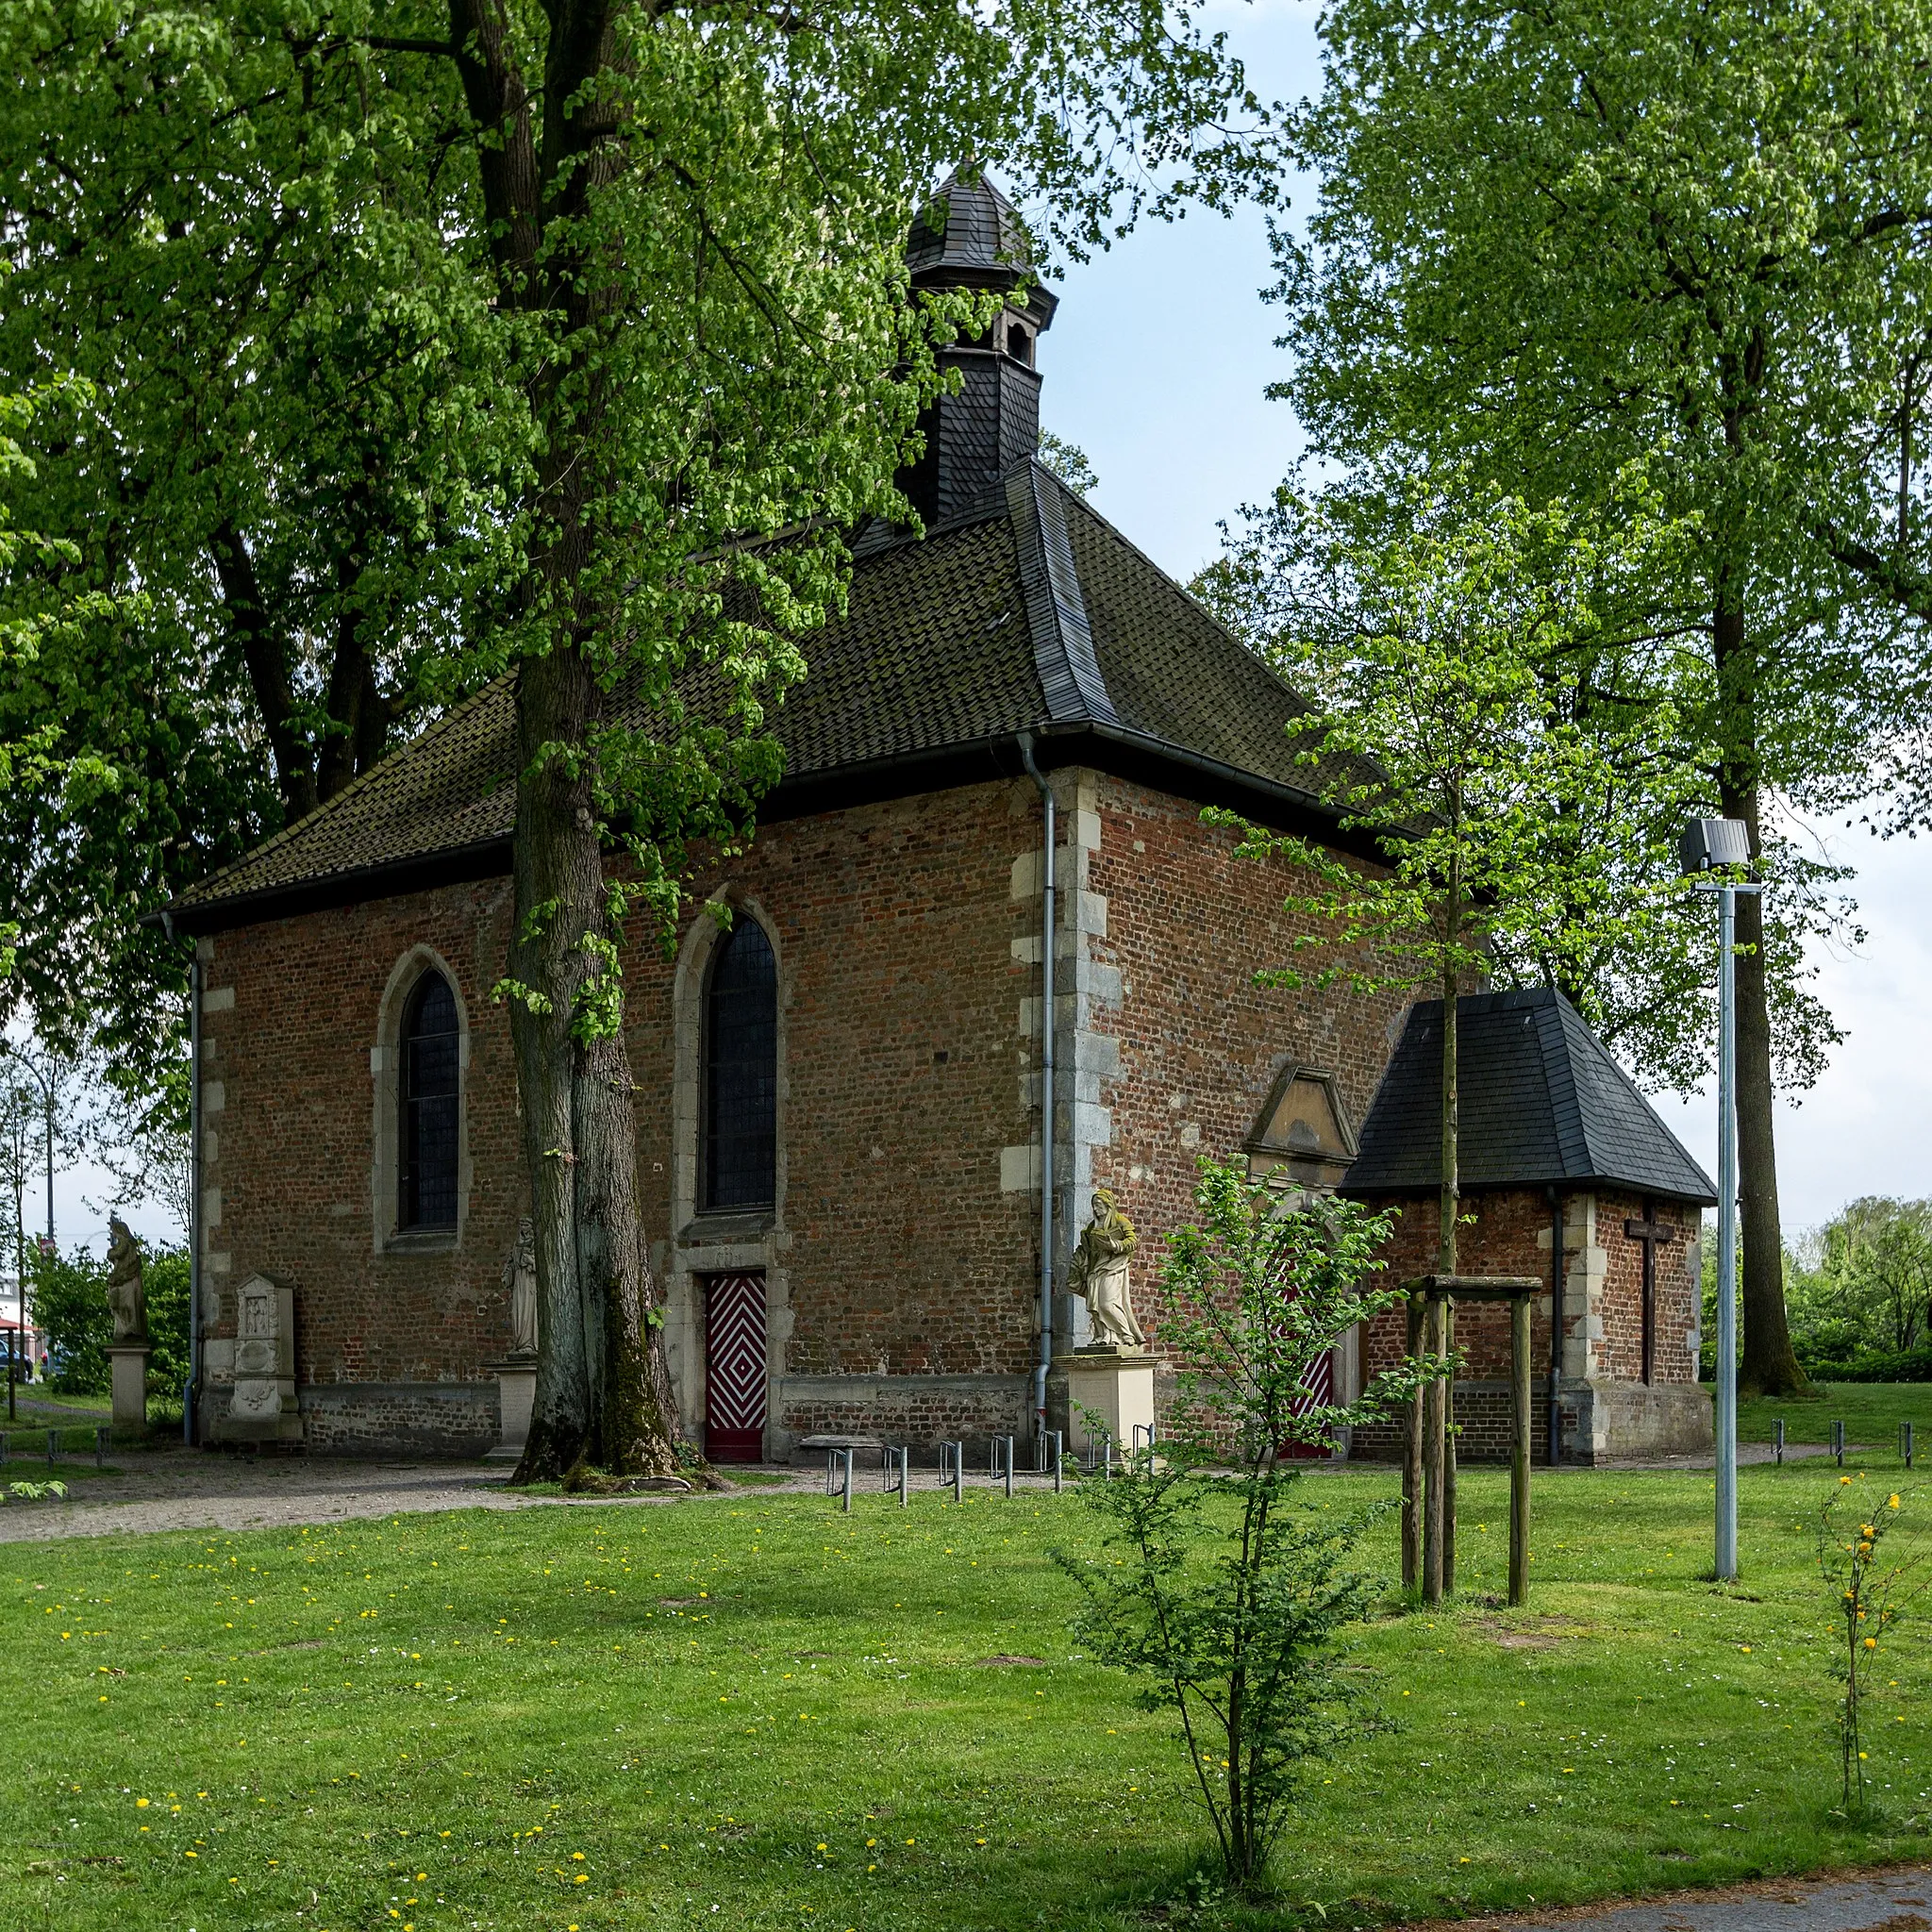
[(427, 1185), (741, 1071)]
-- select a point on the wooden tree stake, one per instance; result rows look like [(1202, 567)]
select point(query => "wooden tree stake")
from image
[(1518, 1450), (1412, 1460)]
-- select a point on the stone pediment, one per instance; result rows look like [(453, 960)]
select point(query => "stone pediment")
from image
[(1304, 1128)]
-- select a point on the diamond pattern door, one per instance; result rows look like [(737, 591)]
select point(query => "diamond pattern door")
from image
[(1320, 1387), (735, 1367)]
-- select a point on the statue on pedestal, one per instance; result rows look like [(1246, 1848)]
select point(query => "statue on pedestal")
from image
[(126, 1296), (520, 1278), (1100, 1274)]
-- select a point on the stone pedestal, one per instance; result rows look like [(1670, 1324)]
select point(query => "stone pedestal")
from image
[(261, 1405), (1107, 1386), (516, 1387), (129, 1364)]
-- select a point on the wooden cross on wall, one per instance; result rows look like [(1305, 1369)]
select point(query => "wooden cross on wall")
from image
[(1652, 1234)]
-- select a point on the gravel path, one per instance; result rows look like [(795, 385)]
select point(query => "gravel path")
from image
[(143, 1491), (1898, 1900)]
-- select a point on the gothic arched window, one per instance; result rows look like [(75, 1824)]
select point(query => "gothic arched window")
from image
[(740, 1083), (429, 1095)]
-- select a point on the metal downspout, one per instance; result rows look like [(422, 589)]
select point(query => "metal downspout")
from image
[(1556, 1327), (1046, 1082)]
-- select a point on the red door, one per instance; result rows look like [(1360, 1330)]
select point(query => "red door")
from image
[(735, 1367), (1321, 1392)]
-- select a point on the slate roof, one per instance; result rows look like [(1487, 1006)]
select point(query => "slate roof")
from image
[(971, 228), (1539, 1100), (1032, 614)]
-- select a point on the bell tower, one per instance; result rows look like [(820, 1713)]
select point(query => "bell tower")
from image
[(973, 238)]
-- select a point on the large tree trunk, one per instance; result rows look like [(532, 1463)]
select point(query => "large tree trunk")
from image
[(1768, 1366), (603, 1389), (559, 871), (598, 1392)]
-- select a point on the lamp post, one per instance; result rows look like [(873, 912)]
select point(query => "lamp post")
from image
[(1712, 845), (44, 1079)]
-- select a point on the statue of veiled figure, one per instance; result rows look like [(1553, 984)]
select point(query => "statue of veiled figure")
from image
[(1099, 1272)]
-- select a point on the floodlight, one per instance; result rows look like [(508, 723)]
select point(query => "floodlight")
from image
[(1706, 844)]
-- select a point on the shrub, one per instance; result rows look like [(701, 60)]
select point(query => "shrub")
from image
[(1227, 1597), (69, 1303), (1869, 1587), (1912, 1365)]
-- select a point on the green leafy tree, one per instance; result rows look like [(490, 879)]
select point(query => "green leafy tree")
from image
[(1067, 461), (1445, 650), (1875, 1271), (628, 284), (1552, 243), (1226, 1597), (287, 436)]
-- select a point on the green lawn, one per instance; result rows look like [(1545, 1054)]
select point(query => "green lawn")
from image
[(750, 1711), (1870, 1412)]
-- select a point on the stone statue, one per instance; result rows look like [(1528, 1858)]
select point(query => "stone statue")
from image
[(520, 1278), (1100, 1273), (125, 1294)]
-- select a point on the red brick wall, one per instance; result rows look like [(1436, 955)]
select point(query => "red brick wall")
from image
[(1501, 1236), (1189, 924), (905, 1074), (290, 1148), (901, 1079)]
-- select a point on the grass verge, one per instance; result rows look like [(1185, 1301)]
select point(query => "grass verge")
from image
[(756, 1712), (1870, 1411)]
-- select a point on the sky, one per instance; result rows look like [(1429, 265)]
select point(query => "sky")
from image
[(1157, 365)]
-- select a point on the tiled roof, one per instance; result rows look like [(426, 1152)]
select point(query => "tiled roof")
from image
[(1035, 615), (1538, 1100)]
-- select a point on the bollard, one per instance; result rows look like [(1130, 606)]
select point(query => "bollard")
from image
[(904, 1474), (1777, 1439), (1905, 1430), (101, 1447), (1107, 1459), (53, 1446), (1010, 1465), (1837, 1443), (848, 1454), (1060, 1448), (959, 1471)]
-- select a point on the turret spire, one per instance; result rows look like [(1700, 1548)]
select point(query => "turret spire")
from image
[(974, 239)]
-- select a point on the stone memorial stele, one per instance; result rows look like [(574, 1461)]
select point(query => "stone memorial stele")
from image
[(1110, 1379), (516, 1375), (127, 1354), (262, 1407)]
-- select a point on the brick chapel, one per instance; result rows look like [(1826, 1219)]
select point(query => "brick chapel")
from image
[(842, 1103)]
